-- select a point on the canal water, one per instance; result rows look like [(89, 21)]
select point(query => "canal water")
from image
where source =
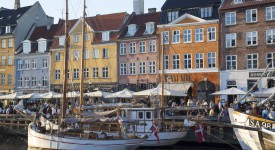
[(8, 142)]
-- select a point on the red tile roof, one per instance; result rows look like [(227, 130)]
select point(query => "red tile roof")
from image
[(141, 20), (229, 4)]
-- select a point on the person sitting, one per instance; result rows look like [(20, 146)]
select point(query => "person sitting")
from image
[(211, 112), (271, 114), (264, 113), (40, 129)]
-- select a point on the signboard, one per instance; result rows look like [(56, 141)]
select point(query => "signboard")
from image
[(259, 74), (259, 124)]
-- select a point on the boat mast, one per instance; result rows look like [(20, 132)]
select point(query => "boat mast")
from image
[(162, 83), (82, 57), (66, 52)]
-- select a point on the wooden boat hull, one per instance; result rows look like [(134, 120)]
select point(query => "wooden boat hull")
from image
[(268, 138), (38, 140), (249, 139)]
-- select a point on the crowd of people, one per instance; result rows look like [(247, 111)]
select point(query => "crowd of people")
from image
[(6, 109)]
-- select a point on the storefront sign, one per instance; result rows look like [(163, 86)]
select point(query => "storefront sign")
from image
[(259, 74)]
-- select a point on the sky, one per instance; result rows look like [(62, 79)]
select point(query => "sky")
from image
[(55, 8)]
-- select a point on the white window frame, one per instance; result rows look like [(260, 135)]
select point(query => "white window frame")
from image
[(3, 78), (132, 47), (27, 81), (45, 63), (187, 36), (176, 61), (26, 47), (105, 72), (95, 72), (132, 68), (34, 64), (165, 35), (3, 60), (122, 48), (230, 18), (44, 81), (142, 67), (176, 36), (249, 15), (10, 43), (250, 37), (187, 61), (231, 61), (57, 74), (20, 65), (42, 45), (229, 38), (86, 37), (105, 53), (105, 36), (96, 53), (172, 15), (19, 82), (86, 54), (150, 28), (76, 38), (152, 67), (211, 34), (142, 47), (272, 58), (270, 33), (4, 43), (269, 13), (9, 79), (76, 73), (238, 1), (250, 61), (131, 29), (166, 62), (199, 57), (152, 45), (61, 40), (199, 36), (10, 61), (27, 64), (206, 12), (211, 60), (57, 56), (123, 68), (34, 82), (76, 55), (86, 73)]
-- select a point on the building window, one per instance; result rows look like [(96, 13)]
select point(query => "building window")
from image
[(44, 81), (152, 46), (45, 63), (34, 63), (8, 28), (3, 60), (199, 60), (122, 50), (86, 54), (132, 48), (75, 55), (10, 43), (231, 62), (76, 74), (34, 81), (211, 34), (76, 38), (187, 61), (173, 15), (132, 29), (176, 36), (61, 40), (250, 84), (165, 37), (176, 62), (230, 18), (26, 47), (132, 68), (96, 53), (20, 82), (105, 53), (199, 35), (86, 37), (251, 15), (238, 1), (231, 40), (270, 36), (206, 12), (95, 72), (142, 67), (105, 72), (166, 61), (86, 73), (20, 65), (2, 79), (10, 60), (211, 60), (252, 61), (9, 79), (187, 36), (3, 43), (42, 46), (27, 64), (152, 67), (149, 28), (57, 74), (27, 81), (252, 38), (123, 69), (141, 47), (270, 13), (106, 36), (57, 56), (270, 57), (68, 74)]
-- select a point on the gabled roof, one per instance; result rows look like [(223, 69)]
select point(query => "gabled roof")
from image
[(141, 20), (229, 4), (182, 4), (187, 16), (10, 16)]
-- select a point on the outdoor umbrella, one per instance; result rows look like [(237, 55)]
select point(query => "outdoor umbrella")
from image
[(158, 91), (230, 91), (264, 92), (97, 94), (121, 94), (50, 94), (30, 96), (11, 96)]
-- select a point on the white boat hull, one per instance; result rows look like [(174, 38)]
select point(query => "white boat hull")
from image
[(38, 140), (248, 139)]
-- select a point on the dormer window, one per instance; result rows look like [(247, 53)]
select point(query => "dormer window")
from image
[(26, 47), (61, 40), (238, 1), (42, 45), (173, 15), (132, 29), (8, 29), (149, 28), (206, 12), (106, 36)]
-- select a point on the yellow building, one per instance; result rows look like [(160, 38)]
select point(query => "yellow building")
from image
[(100, 53)]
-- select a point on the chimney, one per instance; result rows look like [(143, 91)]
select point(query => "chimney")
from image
[(152, 10), (139, 6), (16, 4)]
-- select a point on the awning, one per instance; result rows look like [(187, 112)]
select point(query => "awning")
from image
[(181, 87)]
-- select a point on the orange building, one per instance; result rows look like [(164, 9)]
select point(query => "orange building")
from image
[(191, 54)]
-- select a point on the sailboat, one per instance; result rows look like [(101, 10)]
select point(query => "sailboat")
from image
[(72, 139)]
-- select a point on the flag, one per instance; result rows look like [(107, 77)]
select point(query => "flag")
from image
[(155, 130), (200, 132)]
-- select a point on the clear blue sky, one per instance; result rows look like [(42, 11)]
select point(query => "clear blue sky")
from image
[(54, 8)]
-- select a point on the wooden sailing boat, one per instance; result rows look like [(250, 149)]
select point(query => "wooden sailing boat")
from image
[(78, 139)]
